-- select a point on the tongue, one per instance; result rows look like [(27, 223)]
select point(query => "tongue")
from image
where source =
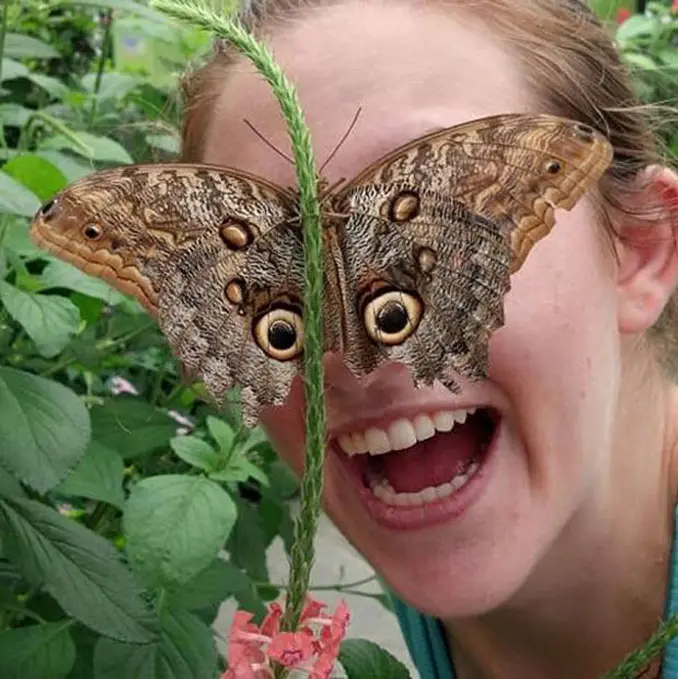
[(431, 462)]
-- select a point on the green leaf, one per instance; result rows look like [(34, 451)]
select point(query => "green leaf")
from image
[(60, 274), (240, 470), (164, 142), (363, 659), (43, 651), (18, 241), (196, 452), (175, 525), (219, 581), (13, 69), (36, 174), (14, 115), (634, 27), (131, 426), (98, 476), (123, 6), (9, 487), (113, 85), (72, 168), (49, 320), (55, 88), (44, 428), (248, 542), (15, 198), (91, 146), (26, 47), (185, 649), (640, 62), (221, 433), (79, 568)]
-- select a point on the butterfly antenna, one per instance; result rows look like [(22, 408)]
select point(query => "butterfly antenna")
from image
[(342, 140), (268, 143)]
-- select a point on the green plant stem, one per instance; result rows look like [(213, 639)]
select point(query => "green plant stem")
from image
[(3, 31), (302, 553), (101, 65), (638, 660)]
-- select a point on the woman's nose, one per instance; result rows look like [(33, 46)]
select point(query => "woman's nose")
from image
[(380, 385)]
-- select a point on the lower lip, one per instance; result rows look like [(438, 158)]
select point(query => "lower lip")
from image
[(426, 515)]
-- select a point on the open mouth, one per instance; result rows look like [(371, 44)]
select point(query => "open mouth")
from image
[(426, 460)]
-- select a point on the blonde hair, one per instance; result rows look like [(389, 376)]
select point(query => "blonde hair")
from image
[(568, 57)]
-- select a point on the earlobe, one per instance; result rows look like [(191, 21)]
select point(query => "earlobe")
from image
[(648, 251)]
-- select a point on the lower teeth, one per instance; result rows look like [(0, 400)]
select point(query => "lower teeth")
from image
[(382, 489)]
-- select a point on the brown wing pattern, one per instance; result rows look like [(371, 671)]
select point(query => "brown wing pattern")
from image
[(207, 250), (445, 220)]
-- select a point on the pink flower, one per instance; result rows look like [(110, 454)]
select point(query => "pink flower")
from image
[(291, 649), (313, 647), (674, 6)]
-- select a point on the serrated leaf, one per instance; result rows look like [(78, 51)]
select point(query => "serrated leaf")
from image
[(131, 426), (43, 651), (184, 649), (219, 581), (221, 432), (175, 525), (60, 274), (44, 428), (9, 486), (79, 568), (38, 174), (49, 320), (196, 452), (90, 146), (15, 198), (26, 47), (98, 476), (362, 659)]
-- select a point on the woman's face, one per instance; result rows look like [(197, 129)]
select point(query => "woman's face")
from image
[(554, 366)]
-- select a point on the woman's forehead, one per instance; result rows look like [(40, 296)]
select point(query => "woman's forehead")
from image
[(406, 70)]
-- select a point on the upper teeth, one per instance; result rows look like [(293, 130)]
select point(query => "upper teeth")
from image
[(402, 433)]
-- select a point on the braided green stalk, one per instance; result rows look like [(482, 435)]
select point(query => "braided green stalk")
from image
[(199, 15), (638, 660)]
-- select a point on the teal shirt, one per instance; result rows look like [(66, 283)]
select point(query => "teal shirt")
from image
[(427, 646)]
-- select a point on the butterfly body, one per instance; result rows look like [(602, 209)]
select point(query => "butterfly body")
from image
[(418, 251)]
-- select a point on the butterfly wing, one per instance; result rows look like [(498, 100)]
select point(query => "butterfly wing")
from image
[(214, 254), (434, 230)]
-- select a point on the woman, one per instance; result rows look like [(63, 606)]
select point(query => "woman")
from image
[(551, 554)]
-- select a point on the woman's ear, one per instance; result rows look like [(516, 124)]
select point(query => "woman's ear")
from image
[(648, 250)]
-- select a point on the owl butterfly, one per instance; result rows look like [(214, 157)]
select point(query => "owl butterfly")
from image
[(419, 248)]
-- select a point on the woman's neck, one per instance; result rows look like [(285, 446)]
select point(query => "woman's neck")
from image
[(600, 590)]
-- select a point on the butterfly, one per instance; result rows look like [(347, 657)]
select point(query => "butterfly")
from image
[(418, 251)]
